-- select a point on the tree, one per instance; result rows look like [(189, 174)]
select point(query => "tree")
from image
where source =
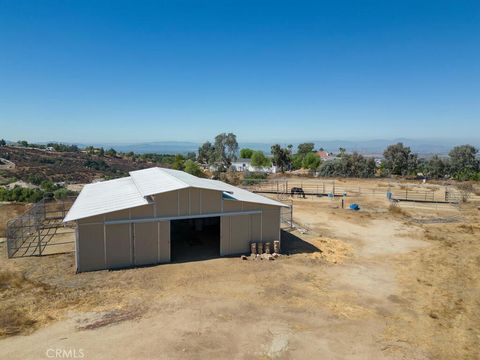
[(226, 148), (192, 168), (246, 153), (281, 157), (90, 150), (206, 153), (463, 159), (191, 155), (305, 148), (101, 152), (311, 161), (3, 142), (61, 193), (436, 167), (399, 160), (23, 143), (178, 163), (259, 159), (297, 161), (111, 152), (349, 165), (222, 153)]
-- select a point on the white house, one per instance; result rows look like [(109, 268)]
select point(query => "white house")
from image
[(243, 165)]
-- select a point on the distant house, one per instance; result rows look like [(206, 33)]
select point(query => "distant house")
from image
[(50, 148), (243, 165), (323, 154)]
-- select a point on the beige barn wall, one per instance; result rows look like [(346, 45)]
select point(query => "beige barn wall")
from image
[(90, 246), (188, 202), (238, 231), (118, 246), (145, 243), (164, 241)]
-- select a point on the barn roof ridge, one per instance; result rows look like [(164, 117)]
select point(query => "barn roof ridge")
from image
[(132, 191)]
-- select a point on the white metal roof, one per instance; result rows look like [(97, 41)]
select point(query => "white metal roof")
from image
[(113, 195), (159, 180), (106, 196)]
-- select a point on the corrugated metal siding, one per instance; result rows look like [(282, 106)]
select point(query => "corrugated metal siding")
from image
[(167, 204), (91, 248), (239, 235), (146, 243), (164, 241), (118, 246)]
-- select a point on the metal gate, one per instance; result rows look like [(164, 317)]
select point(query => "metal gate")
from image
[(31, 233)]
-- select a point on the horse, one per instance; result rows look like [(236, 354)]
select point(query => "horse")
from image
[(297, 190)]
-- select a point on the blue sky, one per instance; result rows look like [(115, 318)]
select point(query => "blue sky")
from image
[(92, 71)]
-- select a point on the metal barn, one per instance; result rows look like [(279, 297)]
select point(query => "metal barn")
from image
[(160, 215)]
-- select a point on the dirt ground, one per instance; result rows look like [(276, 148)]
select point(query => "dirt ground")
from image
[(381, 283)]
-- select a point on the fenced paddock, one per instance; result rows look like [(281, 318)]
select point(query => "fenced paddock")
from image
[(313, 187), (40, 230)]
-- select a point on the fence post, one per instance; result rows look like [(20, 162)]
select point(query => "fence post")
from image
[(291, 215), (39, 241)]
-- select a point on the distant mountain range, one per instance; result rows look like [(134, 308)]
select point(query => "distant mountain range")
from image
[(366, 147)]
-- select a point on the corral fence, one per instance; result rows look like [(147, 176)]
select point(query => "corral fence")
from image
[(447, 195), (284, 189), (286, 215), (31, 233)]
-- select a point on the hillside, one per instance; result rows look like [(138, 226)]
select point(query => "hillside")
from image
[(70, 167)]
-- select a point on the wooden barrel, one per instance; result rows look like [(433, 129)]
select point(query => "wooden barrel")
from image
[(253, 248), (267, 248), (260, 248), (276, 246)]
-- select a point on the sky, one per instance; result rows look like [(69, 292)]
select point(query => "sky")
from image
[(137, 71)]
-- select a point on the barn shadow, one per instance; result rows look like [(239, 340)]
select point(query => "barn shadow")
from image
[(292, 244)]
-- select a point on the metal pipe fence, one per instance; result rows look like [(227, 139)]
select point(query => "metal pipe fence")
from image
[(284, 188), (286, 215), (30, 233)]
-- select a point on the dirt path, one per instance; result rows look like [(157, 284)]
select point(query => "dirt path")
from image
[(353, 287)]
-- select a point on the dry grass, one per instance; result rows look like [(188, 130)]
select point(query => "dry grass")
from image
[(9, 212), (15, 318), (331, 250), (27, 304), (396, 210)]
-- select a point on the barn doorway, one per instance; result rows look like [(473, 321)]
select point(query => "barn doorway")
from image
[(195, 239)]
